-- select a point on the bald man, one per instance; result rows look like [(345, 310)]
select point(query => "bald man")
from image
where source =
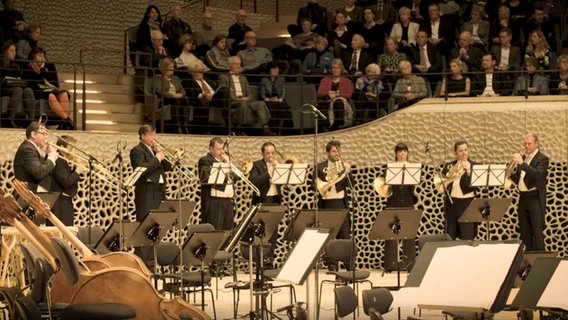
[(237, 31), (356, 59)]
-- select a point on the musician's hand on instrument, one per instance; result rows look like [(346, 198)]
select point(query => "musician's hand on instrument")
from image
[(466, 166), (518, 158), (347, 166), (80, 169), (160, 155), (52, 153)]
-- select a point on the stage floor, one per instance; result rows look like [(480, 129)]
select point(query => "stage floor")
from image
[(224, 303)]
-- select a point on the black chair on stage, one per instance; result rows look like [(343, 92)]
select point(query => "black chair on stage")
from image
[(346, 301), (376, 302)]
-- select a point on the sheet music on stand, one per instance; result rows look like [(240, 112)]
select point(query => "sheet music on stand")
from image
[(289, 173), (218, 174), (130, 181), (487, 175), (403, 173)]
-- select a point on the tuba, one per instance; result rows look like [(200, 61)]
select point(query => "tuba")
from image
[(333, 174), (453, 173)]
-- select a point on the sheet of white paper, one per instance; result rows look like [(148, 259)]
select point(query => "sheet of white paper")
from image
[(304, 253), (554, 294)]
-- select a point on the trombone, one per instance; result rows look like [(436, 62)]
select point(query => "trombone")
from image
[(241, 175), (173, 156)]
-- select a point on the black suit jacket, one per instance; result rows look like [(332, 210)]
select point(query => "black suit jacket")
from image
[(341, 185), (447, 32), (473, 61), (433, 56), (31, 167), (204, 166), (515, 59), (66, 181), (502, 85), (365, 58), (536, 173), (465, 180), (193, 90), (260, 177)]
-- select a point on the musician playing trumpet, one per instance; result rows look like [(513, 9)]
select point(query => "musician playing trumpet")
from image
[(335, 173), (261, 175), (460, 191)]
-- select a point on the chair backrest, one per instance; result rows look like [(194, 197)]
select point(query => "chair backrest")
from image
[(167, 253), (345, 301), (26, 309), (42, 275), (68, 262), (374, 314), (378, 299), (31, 254), (432, 237), (341, 250)]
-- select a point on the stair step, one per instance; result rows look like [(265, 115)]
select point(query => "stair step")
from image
[(122, 127), (124, 79), (107, 98), (100, 87), (112, 108), (119, 118)]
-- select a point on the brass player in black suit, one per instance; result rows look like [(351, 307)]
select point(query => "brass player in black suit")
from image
[(461, 193), (530, 177), (150, 188), (66, 179), (35, 159), (261, 174)]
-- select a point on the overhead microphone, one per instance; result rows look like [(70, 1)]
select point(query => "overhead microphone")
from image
[(316, 111)]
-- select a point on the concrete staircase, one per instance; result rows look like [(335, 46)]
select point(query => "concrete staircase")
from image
[(110, 105)]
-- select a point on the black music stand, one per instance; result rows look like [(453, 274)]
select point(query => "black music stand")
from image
[(187, 208), (486, 210), (111, 239), (529, 258), (396, 224), (199, 250), (328, 218)]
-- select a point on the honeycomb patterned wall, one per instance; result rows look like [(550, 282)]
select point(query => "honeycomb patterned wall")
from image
[(493, 127)]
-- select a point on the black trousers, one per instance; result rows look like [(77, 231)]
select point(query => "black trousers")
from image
[(463, 231), (63, 209), (221, 213), (531, 221)]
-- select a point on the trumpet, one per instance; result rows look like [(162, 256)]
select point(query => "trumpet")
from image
[(511, 167), (171, 155), (453, 173)]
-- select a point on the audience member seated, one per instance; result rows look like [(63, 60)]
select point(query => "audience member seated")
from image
[(531, 83), (539, 21), (297, 47), (538, 48), (357, 58), (504, 21), (273, 92), (12, 85), (254, 59), (174, 28), (12, 22), (238, 30), (519, 10), (559, 80), (24, 46), (405, 31), (316, 13), (241, 100), (339, 38), (470, 55), (373, 33), (169, 88), (150, 57), (426, 59), (449, 7), (352, 12), (440, 29), (385, 13), (42, 79), (218, 57), (491, 83), (152, 21), (410, 88), (508, 57), (487, 9), (318, 62), (203, 94), (186, 58), (369, 94), (418, 10), (390, 60), (479, 30), (334, 93), (455, 84), (204, 36)]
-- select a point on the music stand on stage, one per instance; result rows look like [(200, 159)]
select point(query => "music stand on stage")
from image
[(219, 173), (111, 239), (396, 224), (486, 175), (199, 250), (486, 210), (329, 219), (529, 258), (403, 173), (187, 208), (289, 173), (131, 180)]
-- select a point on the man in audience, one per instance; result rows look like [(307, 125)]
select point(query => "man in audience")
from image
[(410, 88), (490, 83), (440, 30), (426, 59), (318, 16), (357, 59), (504, 21), (174, 28), (246, 105), (351, 12), (151, 56), (11, 22), (539, 21), (254, 58), (508, 57), (466, 52), (478, 28), (238, 30), (204, 36), (386, 14)]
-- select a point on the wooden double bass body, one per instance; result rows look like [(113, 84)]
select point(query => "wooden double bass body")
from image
[(114, 278)]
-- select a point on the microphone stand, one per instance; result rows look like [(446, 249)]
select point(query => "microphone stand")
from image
[(120, 194), (352, 220)]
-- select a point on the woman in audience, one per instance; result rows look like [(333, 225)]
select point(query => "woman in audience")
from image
[(169, 88), (217, 58), (531, 83), (367, 95), (333, 93), (559, 80), (405, 31), (373, 33), (11, 85), (538, 48), (455, 84), (390, 60), (152, 20), (186, 58), (42, 78), (318, 62), (24, 46), (339, 38), (273, 92)]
